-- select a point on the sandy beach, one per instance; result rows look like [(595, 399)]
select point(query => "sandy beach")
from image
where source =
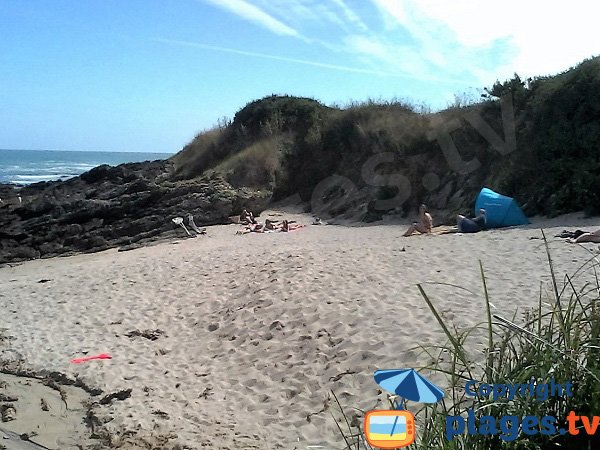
[(235, 342)]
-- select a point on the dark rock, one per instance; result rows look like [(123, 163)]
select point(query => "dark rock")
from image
[(23, 253), (120, 395), (151, 335), (129, 247), (440, 199), (123, 206), (8, 412)]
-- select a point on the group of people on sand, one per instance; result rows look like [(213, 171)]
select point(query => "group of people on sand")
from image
[(253, 226), (464, 224), (473, 225)]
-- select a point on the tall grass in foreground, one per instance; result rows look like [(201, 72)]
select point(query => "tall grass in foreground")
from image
[(559, 339)]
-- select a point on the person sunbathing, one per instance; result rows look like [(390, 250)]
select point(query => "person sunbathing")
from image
[(251, 228), (424, 225), (287, 226), (271, 225), (466, 225), (586, 237)]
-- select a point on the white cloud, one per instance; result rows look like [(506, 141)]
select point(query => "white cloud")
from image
[(369, 46), (296, 15), (350, 15), (545, 38), (299, 12), (278, 58), (256, 15), (397, 58), (459, 42)]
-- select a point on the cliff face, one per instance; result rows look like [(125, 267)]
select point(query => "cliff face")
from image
[(537, 140)]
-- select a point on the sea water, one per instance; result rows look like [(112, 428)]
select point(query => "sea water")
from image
[(22, 167)]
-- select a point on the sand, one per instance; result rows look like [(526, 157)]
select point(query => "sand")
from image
[(42, 416), (247, 335)]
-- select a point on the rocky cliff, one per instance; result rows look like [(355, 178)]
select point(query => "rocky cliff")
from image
[(112, 207)]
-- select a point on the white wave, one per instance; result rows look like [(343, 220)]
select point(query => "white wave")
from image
[(58, 164), (28, 179), (61, 169)]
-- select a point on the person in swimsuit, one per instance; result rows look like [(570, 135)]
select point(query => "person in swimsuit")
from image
[(424, 225), (287, 226), (271, 225), (586, 237)]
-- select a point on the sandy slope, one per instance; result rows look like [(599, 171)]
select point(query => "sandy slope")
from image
[(259, 328)]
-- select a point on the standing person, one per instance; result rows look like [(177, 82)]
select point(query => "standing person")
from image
[(466, 225), (424, 225)]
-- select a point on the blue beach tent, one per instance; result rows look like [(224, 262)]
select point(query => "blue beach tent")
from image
[(501, 211)]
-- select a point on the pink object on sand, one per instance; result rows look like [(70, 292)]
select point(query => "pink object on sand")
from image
[(90, 358)]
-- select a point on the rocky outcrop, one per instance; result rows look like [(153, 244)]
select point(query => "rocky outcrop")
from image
[(112, 207)]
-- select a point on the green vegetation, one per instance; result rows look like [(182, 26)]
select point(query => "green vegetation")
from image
[(559, 140), (286, 145), (560, 340)]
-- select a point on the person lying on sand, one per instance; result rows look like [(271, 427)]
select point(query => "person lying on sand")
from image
[(288, 226), (271, 225), (251, 228), (586, 237), (571, 234), (424, 225), (466, 225)]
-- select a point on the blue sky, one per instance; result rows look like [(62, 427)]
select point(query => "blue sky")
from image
[(147, 75)]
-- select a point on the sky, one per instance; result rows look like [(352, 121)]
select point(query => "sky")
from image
[(148, 75)]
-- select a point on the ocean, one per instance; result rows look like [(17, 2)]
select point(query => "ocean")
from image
[(22, 167)]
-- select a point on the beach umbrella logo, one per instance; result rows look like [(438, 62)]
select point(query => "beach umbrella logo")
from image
[(409, 384), (390, 429)]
